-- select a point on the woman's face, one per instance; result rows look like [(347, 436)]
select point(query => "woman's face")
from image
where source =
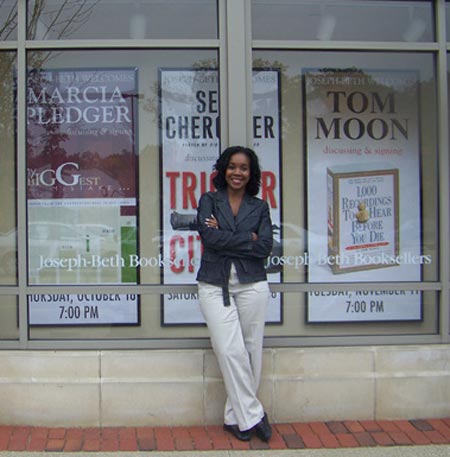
[(237, 174)]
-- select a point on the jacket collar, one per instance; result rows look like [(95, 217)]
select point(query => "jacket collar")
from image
[(223, 205)]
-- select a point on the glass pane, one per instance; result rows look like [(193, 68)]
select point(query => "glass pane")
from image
[(69, 321), (447, 17), (82, 174), (103, 19), (119, 147), (8, 238), (352, 315), (448, 85), (9, 318), (8, 20), (336, 20), (295, 309), (356, 129)]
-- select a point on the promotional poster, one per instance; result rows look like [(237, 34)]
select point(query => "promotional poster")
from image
[(190, 146), (363, 203), (81, 189)]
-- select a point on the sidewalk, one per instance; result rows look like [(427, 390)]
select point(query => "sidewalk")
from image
[(426, 435)]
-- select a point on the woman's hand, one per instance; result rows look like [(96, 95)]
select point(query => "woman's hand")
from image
[(254, 236), (211, 222)]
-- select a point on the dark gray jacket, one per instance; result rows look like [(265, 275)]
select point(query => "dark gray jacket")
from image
[(232, 241)]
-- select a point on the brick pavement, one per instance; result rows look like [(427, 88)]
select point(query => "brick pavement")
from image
[(313, 435)]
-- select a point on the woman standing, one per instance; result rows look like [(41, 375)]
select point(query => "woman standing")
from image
[(236, 232)]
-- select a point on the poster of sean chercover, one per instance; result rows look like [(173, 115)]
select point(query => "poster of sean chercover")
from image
[(190, 146), (363, 191), (81, 190)]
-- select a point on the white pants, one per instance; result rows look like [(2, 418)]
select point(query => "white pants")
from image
[(237, 336)]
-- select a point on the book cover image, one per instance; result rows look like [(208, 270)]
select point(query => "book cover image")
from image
[(362, 217)]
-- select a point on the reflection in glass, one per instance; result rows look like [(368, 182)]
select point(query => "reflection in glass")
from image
[(82, 175), (343, 20), (350, 103), (137, 19), (90, 130), (8, 20)]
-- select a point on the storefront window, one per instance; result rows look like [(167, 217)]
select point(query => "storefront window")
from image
[(103, 165), (337, 20), (71, 320), (8, 20), (361, 130), (360, 309), (137, 19), (118, 155), (119, 148)]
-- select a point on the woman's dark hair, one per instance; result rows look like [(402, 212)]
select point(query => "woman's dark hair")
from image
[(222, 162)]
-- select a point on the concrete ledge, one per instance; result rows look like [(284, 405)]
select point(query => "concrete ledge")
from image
[(184, 387)]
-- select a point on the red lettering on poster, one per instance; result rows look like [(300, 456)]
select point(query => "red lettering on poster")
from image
[(268, 184), (189, 185), (192, 187), (173, 175), (194, 248), (193, 242), (177, 266)]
